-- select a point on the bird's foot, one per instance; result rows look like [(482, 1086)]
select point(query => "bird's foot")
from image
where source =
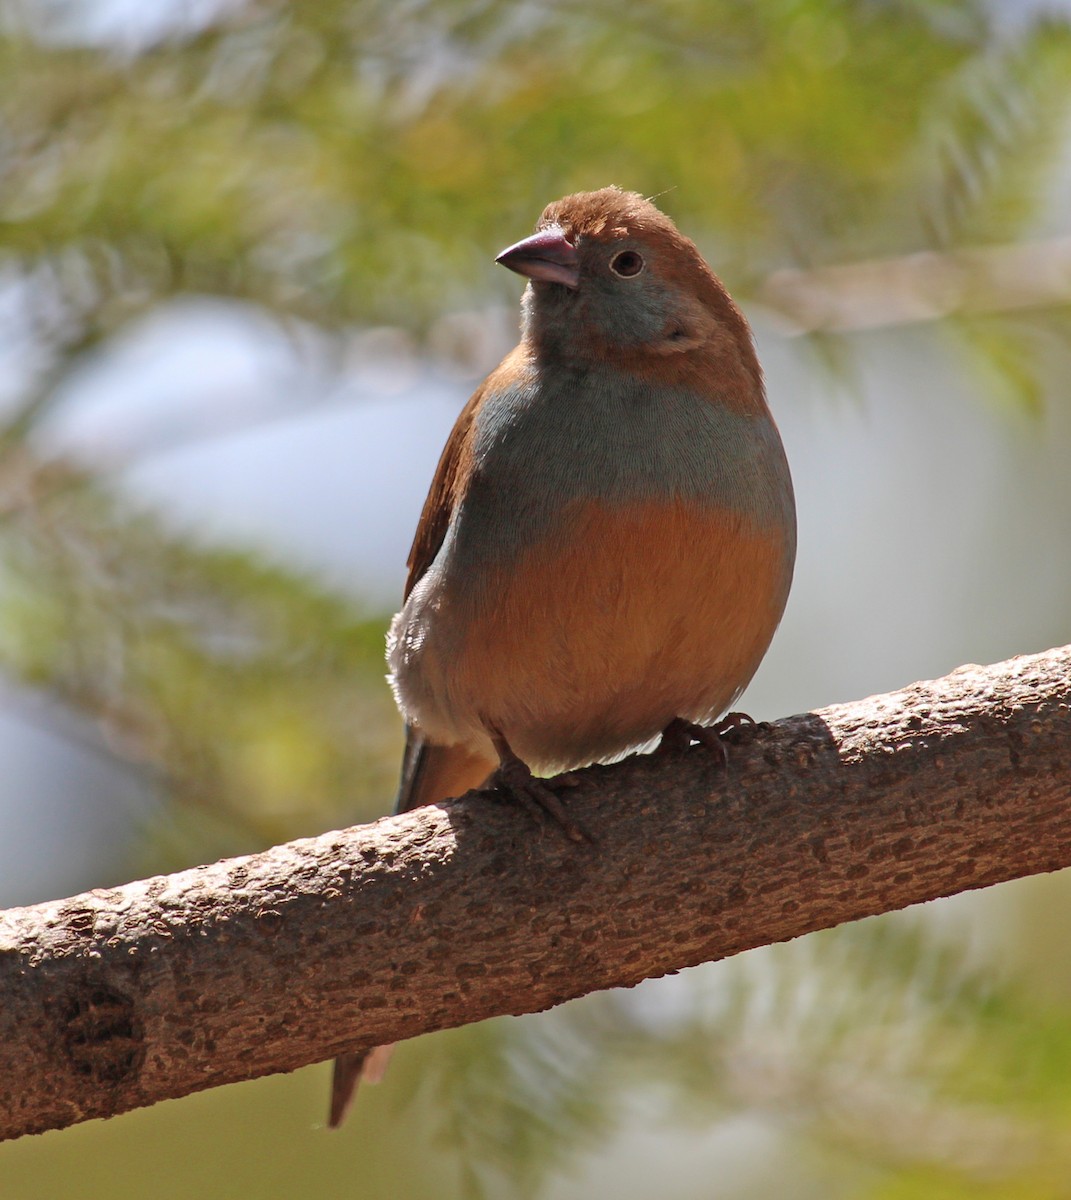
[(514, 777), (737, 728), (734, 728)]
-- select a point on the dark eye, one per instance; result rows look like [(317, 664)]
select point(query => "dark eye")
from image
[(626, 264)]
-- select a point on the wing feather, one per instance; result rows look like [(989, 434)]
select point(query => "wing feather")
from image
[(453, 473)]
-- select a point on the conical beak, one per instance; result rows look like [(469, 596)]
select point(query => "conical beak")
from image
[(547, 255)]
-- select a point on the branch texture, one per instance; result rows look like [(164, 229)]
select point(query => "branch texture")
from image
[(452, 913)]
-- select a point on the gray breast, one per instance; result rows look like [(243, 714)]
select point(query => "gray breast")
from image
[(557, 438)]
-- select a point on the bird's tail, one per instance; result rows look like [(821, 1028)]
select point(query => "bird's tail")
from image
[(349, 1070), (433, 773), (429, 774)]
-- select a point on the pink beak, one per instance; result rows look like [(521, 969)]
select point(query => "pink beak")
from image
[(546, 255)]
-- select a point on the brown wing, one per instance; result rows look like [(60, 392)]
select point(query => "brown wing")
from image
[(443, 495), (451, 478)]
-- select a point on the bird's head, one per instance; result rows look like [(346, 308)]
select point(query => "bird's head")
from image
[(612, 278)]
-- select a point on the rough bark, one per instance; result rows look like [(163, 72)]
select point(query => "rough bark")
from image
[(453, 913)]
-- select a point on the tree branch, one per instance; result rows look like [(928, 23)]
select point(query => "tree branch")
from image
[(456, 912), (879, 293)]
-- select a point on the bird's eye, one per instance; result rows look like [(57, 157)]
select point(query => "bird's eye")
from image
[(626, 264)]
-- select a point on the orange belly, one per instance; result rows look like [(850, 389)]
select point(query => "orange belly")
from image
[(594, 642)]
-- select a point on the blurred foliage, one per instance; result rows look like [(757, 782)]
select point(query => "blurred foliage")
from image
[(357, 163), (877, 1050), (240, 686)]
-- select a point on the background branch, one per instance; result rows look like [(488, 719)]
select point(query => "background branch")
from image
[(121, 997)]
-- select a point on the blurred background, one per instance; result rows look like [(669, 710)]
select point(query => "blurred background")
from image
[(246, 283)]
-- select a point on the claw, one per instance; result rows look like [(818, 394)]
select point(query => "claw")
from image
[(514, 777), (679, 734), (735, 724)]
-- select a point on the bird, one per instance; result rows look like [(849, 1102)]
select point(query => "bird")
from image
[(608, 542)]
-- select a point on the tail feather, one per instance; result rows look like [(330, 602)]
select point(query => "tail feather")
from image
[(346, 1074), (429, 774), (433, 773), (349, 1070)]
